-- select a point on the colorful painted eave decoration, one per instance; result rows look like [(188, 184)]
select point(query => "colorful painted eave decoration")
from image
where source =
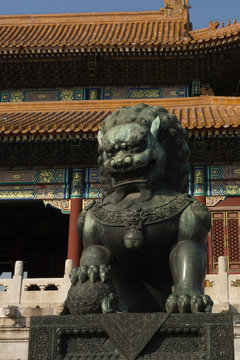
[(200, 116), (90, 93), (37, 192), (216, 180), (219, 188), (35, 184), (223, 180), (22, 95), (30, 177), (223, 172)]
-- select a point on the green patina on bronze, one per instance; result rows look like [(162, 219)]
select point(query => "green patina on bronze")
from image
[(145, 242)]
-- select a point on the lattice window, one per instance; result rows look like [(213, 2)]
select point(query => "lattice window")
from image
[(233, 236), (225, 239), (218, 237)]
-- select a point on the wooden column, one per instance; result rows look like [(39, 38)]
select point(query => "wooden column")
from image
[(74, 242), (199, 179)]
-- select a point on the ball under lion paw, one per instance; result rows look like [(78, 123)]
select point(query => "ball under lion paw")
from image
[(86, 298)]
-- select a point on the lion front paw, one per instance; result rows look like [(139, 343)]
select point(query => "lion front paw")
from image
[(93, 273), (185, 303)]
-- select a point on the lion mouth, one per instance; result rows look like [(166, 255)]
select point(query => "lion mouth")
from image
[(126, 170), (140, 174)]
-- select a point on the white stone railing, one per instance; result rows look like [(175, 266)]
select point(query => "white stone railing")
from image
[(49, 292), (223, 288)]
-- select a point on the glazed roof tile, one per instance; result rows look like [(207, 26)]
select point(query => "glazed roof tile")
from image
[(85, 117), (129, 31), (223, 35), (108, 29)]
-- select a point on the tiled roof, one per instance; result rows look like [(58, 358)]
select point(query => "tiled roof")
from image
[(214, 35), (73, 119), (110, 32)]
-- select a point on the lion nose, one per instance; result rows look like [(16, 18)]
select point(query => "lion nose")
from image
[(119, 163), (112, 163), (116, 163), (128, 161)]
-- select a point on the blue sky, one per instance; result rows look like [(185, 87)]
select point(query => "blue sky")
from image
[(201, 13)]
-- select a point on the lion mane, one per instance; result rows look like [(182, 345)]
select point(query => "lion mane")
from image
[(171, 136)]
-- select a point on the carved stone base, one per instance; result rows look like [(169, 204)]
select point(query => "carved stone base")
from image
[(128, 336)]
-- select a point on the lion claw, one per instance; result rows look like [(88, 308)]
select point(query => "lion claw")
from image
[(104, 272), (74, 275), (185, 303), (83, 273), (93, 273)]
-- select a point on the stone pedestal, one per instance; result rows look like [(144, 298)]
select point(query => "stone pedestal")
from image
[(132, 336)]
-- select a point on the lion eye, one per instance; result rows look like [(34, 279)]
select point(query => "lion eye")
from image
[(139, 148), (136, 149)]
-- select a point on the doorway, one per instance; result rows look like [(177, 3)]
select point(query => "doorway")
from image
[(35, 234)]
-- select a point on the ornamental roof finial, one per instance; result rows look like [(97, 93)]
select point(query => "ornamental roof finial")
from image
[(176, 4), (178, 8)]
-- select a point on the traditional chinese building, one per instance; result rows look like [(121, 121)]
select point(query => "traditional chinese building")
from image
[(61, 75)]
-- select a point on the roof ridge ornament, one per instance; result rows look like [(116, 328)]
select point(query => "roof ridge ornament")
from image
[(177, 7), (174, 3), (213, 25)]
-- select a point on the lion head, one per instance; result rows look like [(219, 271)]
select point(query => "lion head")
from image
[(142, 143)]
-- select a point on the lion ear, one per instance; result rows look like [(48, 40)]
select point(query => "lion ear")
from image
[(155, 127), (100, 136)]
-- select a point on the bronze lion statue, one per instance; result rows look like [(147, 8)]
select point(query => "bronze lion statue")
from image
[(145, 242)]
